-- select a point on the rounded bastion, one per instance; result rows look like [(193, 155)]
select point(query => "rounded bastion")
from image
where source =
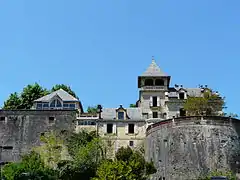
[(190, 147)]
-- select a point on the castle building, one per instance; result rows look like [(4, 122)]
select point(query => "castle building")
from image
[(120, 126), (123, 126)]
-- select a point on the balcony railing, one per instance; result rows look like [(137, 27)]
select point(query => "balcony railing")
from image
[(153, 88)]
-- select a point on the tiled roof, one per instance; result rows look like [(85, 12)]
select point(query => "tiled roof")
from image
[(133, 113), (154, 70), (194, 92), (60, 93)]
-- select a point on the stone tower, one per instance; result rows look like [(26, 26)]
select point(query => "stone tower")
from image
[(153, 87)]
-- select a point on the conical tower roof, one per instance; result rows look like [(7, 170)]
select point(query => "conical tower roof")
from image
[(154, 70)]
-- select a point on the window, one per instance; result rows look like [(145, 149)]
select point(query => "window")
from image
[(39, 105), (131, 143), (80, 122), (2, 118), (130, 128), (182, 112), (58, 103), (148, 82), (181, 95), (155, 114), (165, 115), (154, 99), (159, 82), (45, 105), (109, 128), (120, 115), (72, 106), (65, 105), (51, 119), (55, 103), (93, 123), (145, 115)]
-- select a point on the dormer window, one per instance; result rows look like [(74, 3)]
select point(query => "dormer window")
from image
[(121, 115)]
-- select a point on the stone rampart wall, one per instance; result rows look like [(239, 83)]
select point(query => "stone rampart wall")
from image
[(188, 147), (21, 129)]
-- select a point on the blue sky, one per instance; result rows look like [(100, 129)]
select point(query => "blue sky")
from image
[(100, 47)]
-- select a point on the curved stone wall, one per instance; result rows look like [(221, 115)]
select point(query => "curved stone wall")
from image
[(188, 147)]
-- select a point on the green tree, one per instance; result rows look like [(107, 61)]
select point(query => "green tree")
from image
[(75, 141), (30, 166), (132, 105), (31, 93), (209, 104), (86, 152), (26, 98), (113, 170), (65, 88), (13, 102), (92, 109), (128, 165)]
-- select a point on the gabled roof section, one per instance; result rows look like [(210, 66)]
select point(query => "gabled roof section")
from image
[(133, 113), (154, 70), (63, 95)]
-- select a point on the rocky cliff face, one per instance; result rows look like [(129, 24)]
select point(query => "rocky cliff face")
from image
[(186, 148), (21, 130)]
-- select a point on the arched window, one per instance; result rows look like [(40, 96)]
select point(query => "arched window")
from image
[(148, 82), (159, 82), (53, 103), (56, 103)]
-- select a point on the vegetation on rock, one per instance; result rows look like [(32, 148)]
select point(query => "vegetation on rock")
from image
[(230, 175), (84, 158)]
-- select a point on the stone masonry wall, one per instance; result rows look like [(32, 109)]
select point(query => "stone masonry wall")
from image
[(186, 148), (22, 129)]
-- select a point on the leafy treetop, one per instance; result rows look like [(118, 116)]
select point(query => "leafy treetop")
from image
[(65, 88), (128, 165), (26, 97), (92, 109), (132, 105), (209, 104)]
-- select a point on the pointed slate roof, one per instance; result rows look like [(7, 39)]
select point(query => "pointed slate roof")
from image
[(154, 70), (60, 93)]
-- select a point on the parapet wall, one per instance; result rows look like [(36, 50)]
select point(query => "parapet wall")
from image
[(21, 129), (188, 147)]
